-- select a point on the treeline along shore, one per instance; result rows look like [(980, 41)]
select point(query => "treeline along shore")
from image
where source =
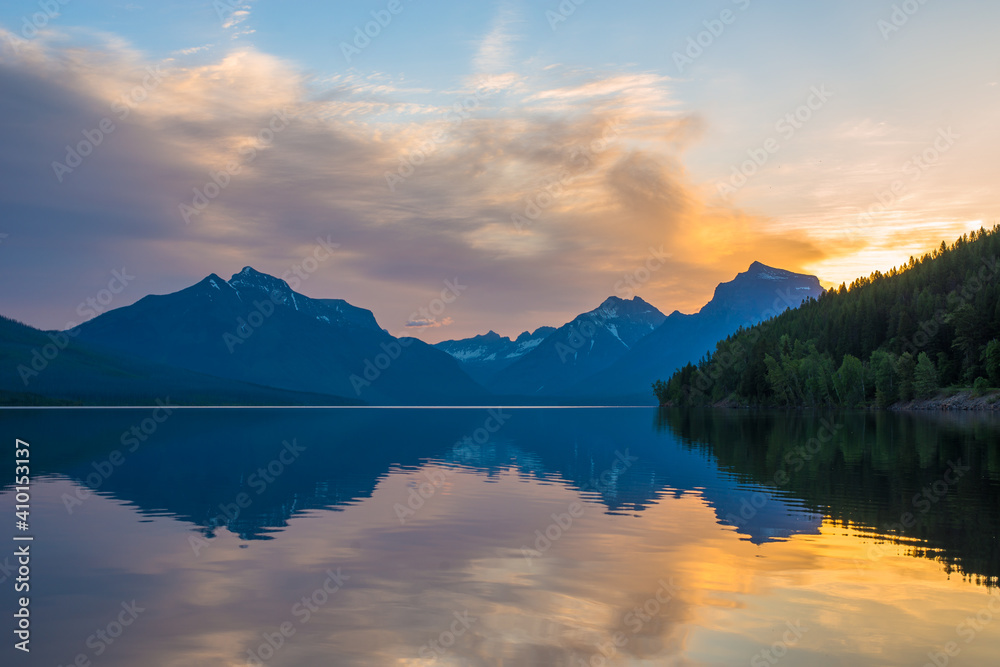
[(925, 335)]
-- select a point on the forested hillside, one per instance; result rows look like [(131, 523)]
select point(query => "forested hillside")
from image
[(930, 324)]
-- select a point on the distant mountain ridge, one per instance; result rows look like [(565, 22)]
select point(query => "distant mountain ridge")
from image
[(586, 345), (617, 350), (485, 355)]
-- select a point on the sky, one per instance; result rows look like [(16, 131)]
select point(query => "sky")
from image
[(459, 167)]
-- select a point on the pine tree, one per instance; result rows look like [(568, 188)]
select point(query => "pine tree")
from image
[(883, 367), (850, 382), (925, 378), (991, 360)]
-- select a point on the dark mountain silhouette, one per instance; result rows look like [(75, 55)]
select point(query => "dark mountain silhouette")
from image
[(757, 294), (231, 339), (255, 328), (43, 368), (589, 343)]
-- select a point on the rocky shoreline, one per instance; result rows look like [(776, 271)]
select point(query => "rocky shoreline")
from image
[(962, 400)]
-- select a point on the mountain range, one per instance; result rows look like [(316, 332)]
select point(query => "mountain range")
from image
[(252, 339), (589, 343), (615, 352), (485, 355), (759, 293)]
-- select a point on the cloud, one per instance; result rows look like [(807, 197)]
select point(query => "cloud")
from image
[(429, 324), (233, 15), (194, 49), (496, 48), (539, 194)]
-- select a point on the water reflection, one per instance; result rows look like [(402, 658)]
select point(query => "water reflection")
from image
[(927, 481), (250, 472), (561, 538)]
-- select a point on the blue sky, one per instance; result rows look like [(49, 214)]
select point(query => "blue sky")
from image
[(610, 116)]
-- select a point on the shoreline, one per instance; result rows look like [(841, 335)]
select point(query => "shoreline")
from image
[(962, 400)]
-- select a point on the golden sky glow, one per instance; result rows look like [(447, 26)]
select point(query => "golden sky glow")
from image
[(535, 163)]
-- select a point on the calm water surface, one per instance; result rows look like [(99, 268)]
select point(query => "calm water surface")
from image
[(525, 537)]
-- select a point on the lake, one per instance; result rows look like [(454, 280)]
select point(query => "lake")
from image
[(506, 537)]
